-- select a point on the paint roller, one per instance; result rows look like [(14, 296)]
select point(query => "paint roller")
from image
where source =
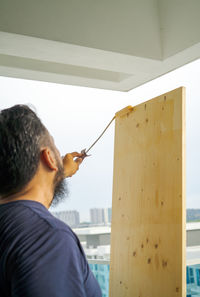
[(120, 113)]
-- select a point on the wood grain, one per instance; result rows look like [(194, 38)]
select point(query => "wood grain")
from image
[(148, 238)]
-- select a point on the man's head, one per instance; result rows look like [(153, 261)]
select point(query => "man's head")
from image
[(22, 137)]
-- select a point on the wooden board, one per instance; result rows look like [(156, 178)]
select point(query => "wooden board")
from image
[(148, 238)]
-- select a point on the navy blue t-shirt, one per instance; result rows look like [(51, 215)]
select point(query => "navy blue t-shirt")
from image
[(40, 256)]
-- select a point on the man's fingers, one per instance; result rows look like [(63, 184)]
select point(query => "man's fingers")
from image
[(79, 161), (76, 154)]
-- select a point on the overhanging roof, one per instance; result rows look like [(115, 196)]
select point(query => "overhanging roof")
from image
[(115, 45)]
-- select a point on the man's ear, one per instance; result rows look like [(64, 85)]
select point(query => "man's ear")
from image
[(48, 159)]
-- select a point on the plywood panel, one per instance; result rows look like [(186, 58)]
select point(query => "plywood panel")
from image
[(148, 238)]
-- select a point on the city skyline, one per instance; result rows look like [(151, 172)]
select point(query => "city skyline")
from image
[(64, 216)]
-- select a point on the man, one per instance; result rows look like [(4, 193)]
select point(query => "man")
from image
[(40, 256)]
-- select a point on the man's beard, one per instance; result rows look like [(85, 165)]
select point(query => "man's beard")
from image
[(60, 187)]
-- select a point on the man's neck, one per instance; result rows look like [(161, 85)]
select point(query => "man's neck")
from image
[(30, 193)]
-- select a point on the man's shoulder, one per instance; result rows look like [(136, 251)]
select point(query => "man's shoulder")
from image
[(47, 218), (55, 223), (32, 215)]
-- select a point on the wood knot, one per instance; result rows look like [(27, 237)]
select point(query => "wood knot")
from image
[(142, 245), (164, 263), (156, 246), (149, 261), (137, 125), (134, 253)]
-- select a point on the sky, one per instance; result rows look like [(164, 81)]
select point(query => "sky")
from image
[(75, 116)]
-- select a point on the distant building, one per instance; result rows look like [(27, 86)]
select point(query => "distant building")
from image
[(101, 272), (100, 215), (109, 215), (97, 216), (193, 280), (70, 217), (193, 215), (99, 253), (94, 236)]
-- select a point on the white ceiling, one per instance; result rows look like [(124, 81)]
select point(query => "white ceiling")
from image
[(110, 44)]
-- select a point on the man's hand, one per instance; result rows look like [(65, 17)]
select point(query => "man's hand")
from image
[(70, 165)]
